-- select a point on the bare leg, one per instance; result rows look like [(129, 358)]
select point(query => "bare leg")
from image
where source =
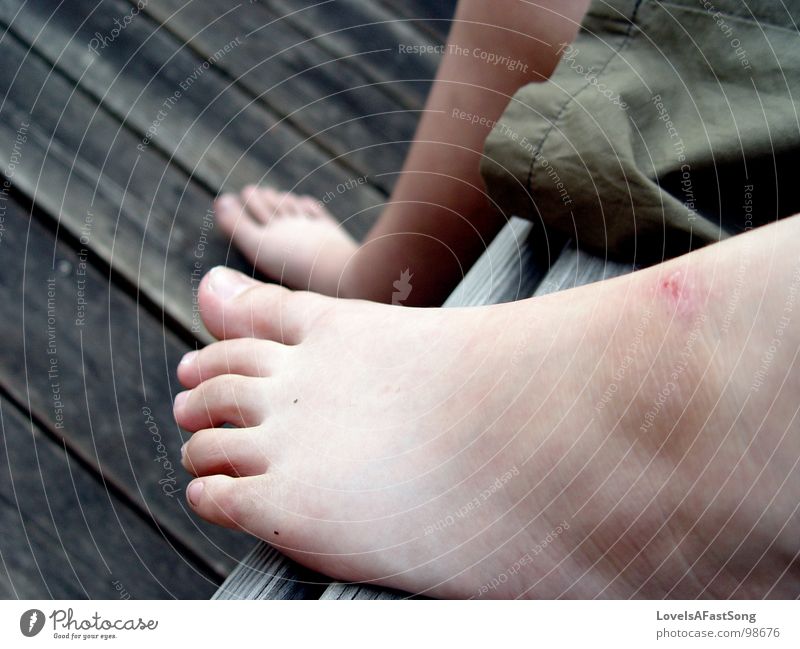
[(439, 219)]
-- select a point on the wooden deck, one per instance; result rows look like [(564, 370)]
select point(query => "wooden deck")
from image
[(114, 142)]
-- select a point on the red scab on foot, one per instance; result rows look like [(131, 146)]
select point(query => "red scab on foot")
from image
[(680, 293)]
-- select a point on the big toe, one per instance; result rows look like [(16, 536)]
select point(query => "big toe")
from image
[(234, 305), (228, 210), (234, 220)]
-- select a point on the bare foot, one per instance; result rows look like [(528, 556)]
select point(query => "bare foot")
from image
[(291, 239), (605, 441)]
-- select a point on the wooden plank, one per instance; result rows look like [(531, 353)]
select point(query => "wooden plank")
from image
[(150, 221), (434, 16), (100, 373), (346, 26), (61, 165), (323, 94), (179, 103), (65, 535), (265, 574), (577, 268), (351, 591), (508, 270)]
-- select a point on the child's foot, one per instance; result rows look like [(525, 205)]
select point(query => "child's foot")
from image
[(291, 239), (595, 442)]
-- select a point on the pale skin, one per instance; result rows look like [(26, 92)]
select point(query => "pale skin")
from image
[(634, 437), (361, 430)]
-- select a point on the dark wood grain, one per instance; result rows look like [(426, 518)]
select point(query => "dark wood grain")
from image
[(347, 26), (99, 373), (175, 100), (434, 16), (65, 535), (151, 221), (324, 94)]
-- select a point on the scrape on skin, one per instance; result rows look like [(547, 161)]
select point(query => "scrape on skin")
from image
[(680, 292)]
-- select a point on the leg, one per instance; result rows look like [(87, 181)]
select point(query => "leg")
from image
[(439, 218), (633, 437)]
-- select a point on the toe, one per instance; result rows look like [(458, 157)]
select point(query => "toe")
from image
[(228, 399), (242, 356), (260, 202), (241, 503), (289, 204), (244, 231), (234, 305), (228, 210), (216, 499), (311, 207), (227, 451)]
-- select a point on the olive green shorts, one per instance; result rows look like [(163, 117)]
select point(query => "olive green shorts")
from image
[(666, 126)]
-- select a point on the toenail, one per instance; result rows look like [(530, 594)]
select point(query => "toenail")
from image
[(227, 283), (193, 492), (225, 202), (180, 400), (188, 358), (183, 451)]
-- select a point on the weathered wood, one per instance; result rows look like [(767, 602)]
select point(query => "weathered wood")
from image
[(324, 95), (65, 535), (577, 268), (346, 26), (100, 374), (176, 101), (506, 271), (434, 16), (352, 591), (265, 574), (180, 104), (150, 221)]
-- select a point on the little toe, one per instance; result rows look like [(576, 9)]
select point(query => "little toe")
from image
[(242, 356), (228, 451), (247, 503), (228, 399), (234, 305)]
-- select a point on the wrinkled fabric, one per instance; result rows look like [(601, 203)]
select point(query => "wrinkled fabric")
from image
[(666, 126)]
